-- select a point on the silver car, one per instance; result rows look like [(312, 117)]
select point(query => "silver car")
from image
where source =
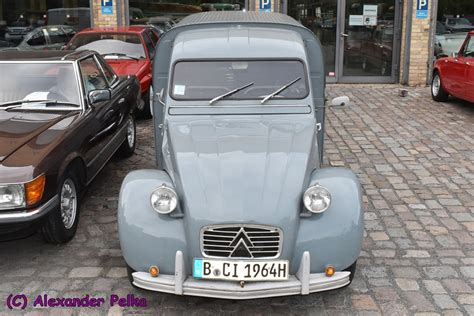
[(239, 205)]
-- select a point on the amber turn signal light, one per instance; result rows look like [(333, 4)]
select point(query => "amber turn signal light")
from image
[(34, 190), (330, 271), (154, 271)]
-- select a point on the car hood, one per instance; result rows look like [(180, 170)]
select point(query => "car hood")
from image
[(126, 66), (19, 128), (251, 170)]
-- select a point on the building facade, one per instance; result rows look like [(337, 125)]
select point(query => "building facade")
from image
[(364, 41)]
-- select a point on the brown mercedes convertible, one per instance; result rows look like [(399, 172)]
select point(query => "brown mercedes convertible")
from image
[(62, 117)]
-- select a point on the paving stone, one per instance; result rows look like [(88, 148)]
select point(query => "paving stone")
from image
[(85, 272), (363, 302), (444, 301), (407, 284)]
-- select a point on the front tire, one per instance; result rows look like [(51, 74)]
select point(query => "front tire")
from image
[(351, 269), (127, 149), (437, 91), (145, 112), (61, 224), (130, 271)]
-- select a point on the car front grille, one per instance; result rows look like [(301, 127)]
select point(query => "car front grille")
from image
[(241, 241)]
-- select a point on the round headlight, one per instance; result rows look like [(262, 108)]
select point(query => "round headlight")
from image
[(164, 200), (317, 199)]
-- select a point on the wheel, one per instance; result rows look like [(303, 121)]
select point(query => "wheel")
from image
[(145, 112), (351, 269), (130, 271), (128, 146), (437, 91), (61, 224)]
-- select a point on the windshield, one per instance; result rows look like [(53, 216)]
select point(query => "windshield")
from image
[(38, 81), (109, 43), (206, 80)]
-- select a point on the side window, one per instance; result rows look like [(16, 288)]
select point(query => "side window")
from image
[(108, 72), (37, 39), (469, 49), (57, 36), (154, 37), (149, 45), (91, 75)]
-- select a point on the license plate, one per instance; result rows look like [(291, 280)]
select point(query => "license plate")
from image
[(241, 270)]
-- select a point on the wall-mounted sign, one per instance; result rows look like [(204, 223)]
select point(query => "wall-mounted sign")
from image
[(370, 10), (421, 9), (356, 20), (265, 6), (107, 6)]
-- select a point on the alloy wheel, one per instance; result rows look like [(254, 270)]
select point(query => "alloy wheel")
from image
[(68, 203)]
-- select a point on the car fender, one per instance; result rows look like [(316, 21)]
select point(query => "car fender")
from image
[(146, 237), (333, 237)]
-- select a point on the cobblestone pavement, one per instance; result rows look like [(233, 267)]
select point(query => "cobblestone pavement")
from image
[(415, 159)]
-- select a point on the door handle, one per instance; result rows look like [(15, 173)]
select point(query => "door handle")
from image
[(344, 35)]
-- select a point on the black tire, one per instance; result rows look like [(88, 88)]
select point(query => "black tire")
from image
[(59, 230), (127, 148), (129, 275), (351, 269), (145, 112), (437, 91)]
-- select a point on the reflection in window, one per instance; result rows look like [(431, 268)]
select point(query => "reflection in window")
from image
[(320, 16), (163, 15), (19, 18)]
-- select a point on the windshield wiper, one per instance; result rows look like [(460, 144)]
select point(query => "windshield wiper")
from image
[(121, 55), (222, 96), (18, 103), (273, 94)]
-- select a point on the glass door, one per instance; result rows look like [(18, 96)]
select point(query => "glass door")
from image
[(320, 16), (368, 37)]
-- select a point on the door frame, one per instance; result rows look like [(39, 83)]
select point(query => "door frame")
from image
[(393, 78)]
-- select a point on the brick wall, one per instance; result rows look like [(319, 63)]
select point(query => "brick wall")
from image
[(419, 46)]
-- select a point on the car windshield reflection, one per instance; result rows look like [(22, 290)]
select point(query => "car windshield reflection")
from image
[(22, 83), (128, 45)]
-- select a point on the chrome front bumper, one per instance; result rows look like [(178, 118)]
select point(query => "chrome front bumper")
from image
[(302, 283), (21, 216)]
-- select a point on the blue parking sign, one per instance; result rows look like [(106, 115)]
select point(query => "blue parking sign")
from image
[(107, 7), (422, 9), (265, 6)]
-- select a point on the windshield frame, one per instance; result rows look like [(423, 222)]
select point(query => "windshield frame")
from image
[(80, 91), (175, 62), (138, 34)]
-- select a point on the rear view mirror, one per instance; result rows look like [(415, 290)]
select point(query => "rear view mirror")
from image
[(97, 96), (341, 101)]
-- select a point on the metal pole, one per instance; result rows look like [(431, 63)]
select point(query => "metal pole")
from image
[(119, 13), (406, 62), (431, 57)]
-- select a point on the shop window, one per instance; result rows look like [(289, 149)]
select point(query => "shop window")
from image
[(164, 15), (20, 18)]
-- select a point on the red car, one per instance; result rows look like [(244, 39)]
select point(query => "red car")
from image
[(455, 75), (129, 50)]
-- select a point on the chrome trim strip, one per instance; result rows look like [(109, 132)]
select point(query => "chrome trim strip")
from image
[(235, 234), (28, 215)]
